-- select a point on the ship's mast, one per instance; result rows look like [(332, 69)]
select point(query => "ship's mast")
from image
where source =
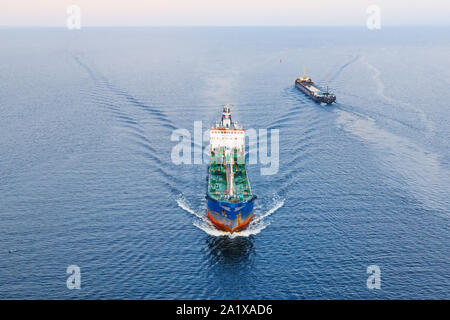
[(226, 117)]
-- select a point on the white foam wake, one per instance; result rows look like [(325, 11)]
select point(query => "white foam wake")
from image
[(184, 204), (278, 203), (256, 225), (207, 227)]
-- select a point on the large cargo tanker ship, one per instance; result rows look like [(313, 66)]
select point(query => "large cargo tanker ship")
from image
[(229, 196), (308, 87)]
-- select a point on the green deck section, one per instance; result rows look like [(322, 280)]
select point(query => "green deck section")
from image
[(217, 182)]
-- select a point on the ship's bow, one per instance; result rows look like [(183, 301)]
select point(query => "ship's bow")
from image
[(229, 216)]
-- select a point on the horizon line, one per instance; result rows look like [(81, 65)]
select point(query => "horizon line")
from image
[(226, 26)]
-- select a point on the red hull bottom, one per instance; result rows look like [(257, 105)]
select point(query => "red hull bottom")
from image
[(221, 226)]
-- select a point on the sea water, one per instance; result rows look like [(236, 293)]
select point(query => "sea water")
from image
[(87, 179)]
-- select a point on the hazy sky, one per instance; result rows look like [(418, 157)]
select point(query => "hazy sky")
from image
[(222, 12)]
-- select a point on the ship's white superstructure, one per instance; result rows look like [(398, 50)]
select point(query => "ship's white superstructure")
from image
[(227, 134)]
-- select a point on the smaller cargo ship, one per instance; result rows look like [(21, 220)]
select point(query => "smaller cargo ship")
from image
[(308, 87)]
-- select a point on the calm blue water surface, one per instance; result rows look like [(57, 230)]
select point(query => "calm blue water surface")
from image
[(86, 176)]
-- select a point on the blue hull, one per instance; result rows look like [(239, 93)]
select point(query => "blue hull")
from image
[(230, 216)]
